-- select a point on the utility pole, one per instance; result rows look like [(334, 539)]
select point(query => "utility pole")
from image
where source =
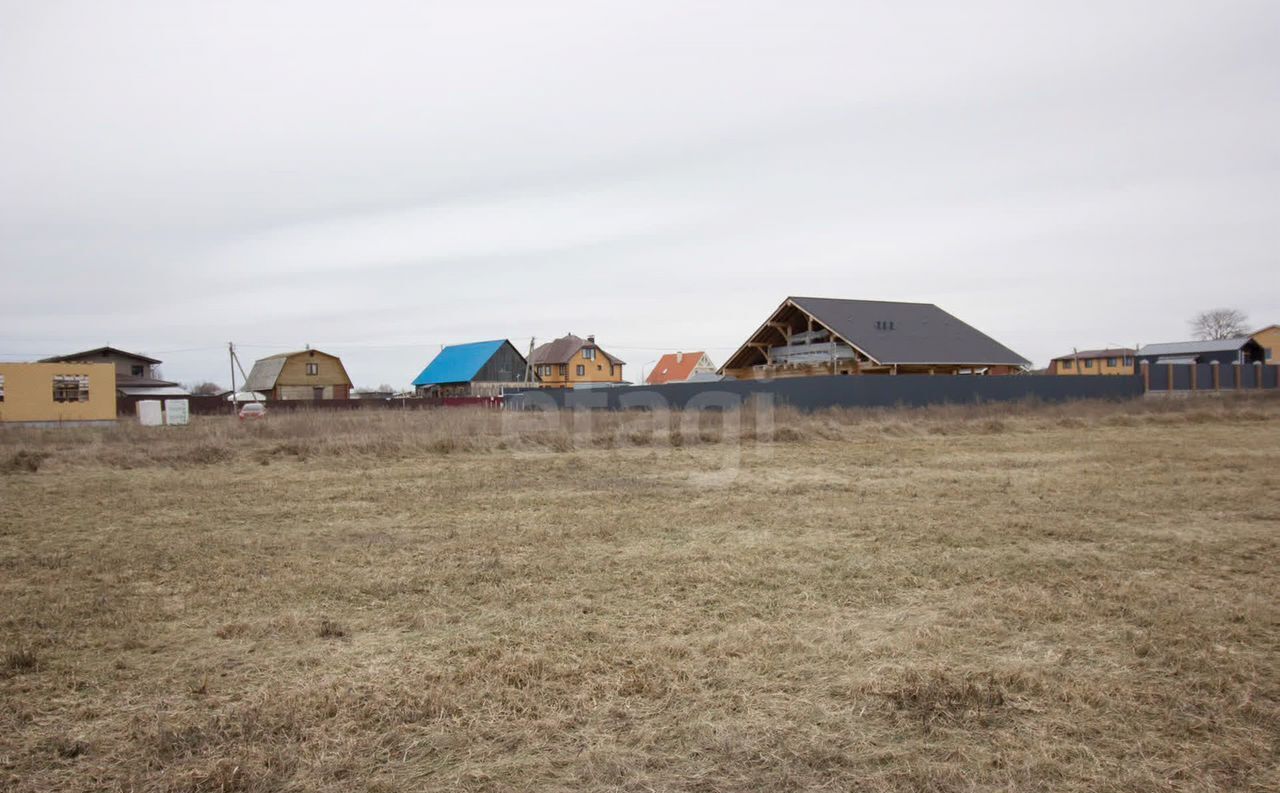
[(528, 362), (231, 354)]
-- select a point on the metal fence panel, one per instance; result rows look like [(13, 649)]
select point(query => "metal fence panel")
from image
[(812, 393)]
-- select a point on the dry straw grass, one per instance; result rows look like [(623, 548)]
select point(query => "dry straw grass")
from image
[(1030, 597)]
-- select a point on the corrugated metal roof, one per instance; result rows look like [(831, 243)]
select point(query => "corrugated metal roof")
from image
[(458, 363), (1195, 347), (908, 333)]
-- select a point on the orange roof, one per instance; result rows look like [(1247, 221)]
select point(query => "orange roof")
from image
[(674, 367)]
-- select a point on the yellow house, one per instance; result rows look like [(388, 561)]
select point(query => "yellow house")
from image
[(1096, 362), (306, 374), (570, 361), (57, 392), (1269, 339)]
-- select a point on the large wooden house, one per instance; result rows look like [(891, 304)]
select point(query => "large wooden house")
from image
[(305, 374), (570, 361), (808, 336)]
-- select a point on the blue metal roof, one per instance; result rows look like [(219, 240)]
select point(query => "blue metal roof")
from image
[(458, 363)]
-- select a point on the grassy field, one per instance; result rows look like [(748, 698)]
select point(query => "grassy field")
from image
[(1072, 598)]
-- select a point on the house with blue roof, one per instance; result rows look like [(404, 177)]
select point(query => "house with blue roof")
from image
[(477, 369)]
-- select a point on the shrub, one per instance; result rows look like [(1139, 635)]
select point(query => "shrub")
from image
[(24, 461)]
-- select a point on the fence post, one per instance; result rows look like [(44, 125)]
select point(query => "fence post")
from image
[(1146, 376), (1238, 371), (1170, 367), (1195, 374), (1257, 374), (1217, 376)]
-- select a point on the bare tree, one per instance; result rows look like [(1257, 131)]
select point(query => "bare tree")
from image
[(1220, 323), (206, 389)]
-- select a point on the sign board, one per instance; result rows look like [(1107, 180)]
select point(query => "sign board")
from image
[(176, 412), (150, 413)]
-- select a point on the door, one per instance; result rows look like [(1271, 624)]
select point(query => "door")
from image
[(317, 393)]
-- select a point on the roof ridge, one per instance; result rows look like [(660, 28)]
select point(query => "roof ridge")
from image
[(863, 300)]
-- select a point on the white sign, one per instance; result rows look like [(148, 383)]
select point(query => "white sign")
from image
[(150, 413), (175, 411)]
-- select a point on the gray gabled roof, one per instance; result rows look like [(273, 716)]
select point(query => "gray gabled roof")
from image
[(87, 356), (908, 333), (1195, 347), (265, 372)]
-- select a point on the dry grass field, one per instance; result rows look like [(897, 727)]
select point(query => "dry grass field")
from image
[(1059, 598)]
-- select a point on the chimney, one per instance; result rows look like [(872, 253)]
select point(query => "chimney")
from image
[(679, 357), (591, 339)]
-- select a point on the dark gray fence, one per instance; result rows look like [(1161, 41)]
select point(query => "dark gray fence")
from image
[(1209, 377), (812, 393)]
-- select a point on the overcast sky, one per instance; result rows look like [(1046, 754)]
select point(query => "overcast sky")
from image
[(377, 179)]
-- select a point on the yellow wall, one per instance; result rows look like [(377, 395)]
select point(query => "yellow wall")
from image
[(1269, 338), (594, 371), (28, 392), (1099, 366), (330, 370)]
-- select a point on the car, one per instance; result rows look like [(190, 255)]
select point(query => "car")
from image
[(253, 410)]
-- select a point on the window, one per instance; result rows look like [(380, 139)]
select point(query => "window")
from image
[(313, 369), (545, 370), (136, 370), (1088, 363), (1266, 353), (1111, 362), (582, 370), (71, 388), (1067, 364), (589, 353), (564, 370), (1128, 360)]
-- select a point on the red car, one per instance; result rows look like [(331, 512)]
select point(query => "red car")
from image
[(253, 410)]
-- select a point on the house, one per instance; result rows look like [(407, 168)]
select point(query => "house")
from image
[(1117, 360), (305, 374), (69, 391), (1269, 340), (480, 368), (1242, 349), (676, 367), (136, 375), (828, 336), (570, 361)]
